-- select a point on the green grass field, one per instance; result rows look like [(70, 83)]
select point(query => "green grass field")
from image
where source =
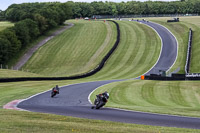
[(78, 50), (20, 121), (180, 98), (138, 49), (177, 97), (5, 24), (14, 73), (12, 121)]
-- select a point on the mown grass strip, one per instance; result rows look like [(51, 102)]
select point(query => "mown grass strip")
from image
[(20, 121), (12, 121), (68, 53), (138, 51), (177, 97)]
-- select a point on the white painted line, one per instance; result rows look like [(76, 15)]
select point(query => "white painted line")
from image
[(96, 89)]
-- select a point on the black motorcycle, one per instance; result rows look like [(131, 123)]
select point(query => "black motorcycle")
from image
[(54, 92), (100, 101)]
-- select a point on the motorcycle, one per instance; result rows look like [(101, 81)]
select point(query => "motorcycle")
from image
[(100, 101), (54, 92)]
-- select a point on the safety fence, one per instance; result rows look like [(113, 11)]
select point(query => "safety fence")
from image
[(194, 76), (140, 16), (189, 50), (92, 72)]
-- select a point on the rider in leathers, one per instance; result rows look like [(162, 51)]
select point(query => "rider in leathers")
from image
[(105, 94), (56, 89)]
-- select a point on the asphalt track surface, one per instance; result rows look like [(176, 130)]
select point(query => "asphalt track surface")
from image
[(73, 99)]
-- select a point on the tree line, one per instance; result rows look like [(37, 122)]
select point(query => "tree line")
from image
[(83, 9), (31, 20)]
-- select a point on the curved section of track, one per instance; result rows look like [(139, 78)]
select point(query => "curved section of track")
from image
[(73, 99), (169, 49)]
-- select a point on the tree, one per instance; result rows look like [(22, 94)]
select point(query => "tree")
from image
[(4, 46), (15, 45), (22, 32), (114, 10)]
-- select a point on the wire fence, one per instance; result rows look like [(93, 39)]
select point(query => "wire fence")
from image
[(140, 16)]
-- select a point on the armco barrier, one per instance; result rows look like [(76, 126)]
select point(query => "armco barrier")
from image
[(97, 69), (174, 77), (165, 78), (189, 50)]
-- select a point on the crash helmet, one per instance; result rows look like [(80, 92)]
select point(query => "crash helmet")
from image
[(107, 94)]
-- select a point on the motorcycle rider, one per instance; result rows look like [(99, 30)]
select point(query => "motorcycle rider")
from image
[(105, 94), (100, 96), (56, 89)]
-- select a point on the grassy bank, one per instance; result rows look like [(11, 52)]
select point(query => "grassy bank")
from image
[(12, 121), (5, 24), (17, 57), (138, 51), (82, 47), (165, 97), (68, 54), (14, 73)]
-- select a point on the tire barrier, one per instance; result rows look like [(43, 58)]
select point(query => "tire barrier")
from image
[(160, 77), (84, 75), (193, 76), (189, 50), (174, 20)]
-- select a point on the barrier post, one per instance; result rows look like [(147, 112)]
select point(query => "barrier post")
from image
[(142, 77)]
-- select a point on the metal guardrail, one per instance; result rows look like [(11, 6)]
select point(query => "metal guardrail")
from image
[(189, 50)]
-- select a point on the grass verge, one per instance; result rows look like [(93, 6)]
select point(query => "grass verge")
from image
[(164, 97), (68, 53), (21, 121), (12, 121)]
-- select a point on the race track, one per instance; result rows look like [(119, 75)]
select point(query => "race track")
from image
[(73, 99)]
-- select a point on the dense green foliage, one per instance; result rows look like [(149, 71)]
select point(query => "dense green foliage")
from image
[(81, 9), (32, 20), (2, 15)]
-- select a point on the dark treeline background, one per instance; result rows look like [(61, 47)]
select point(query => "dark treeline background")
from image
[(34, 19), (136, 8)]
